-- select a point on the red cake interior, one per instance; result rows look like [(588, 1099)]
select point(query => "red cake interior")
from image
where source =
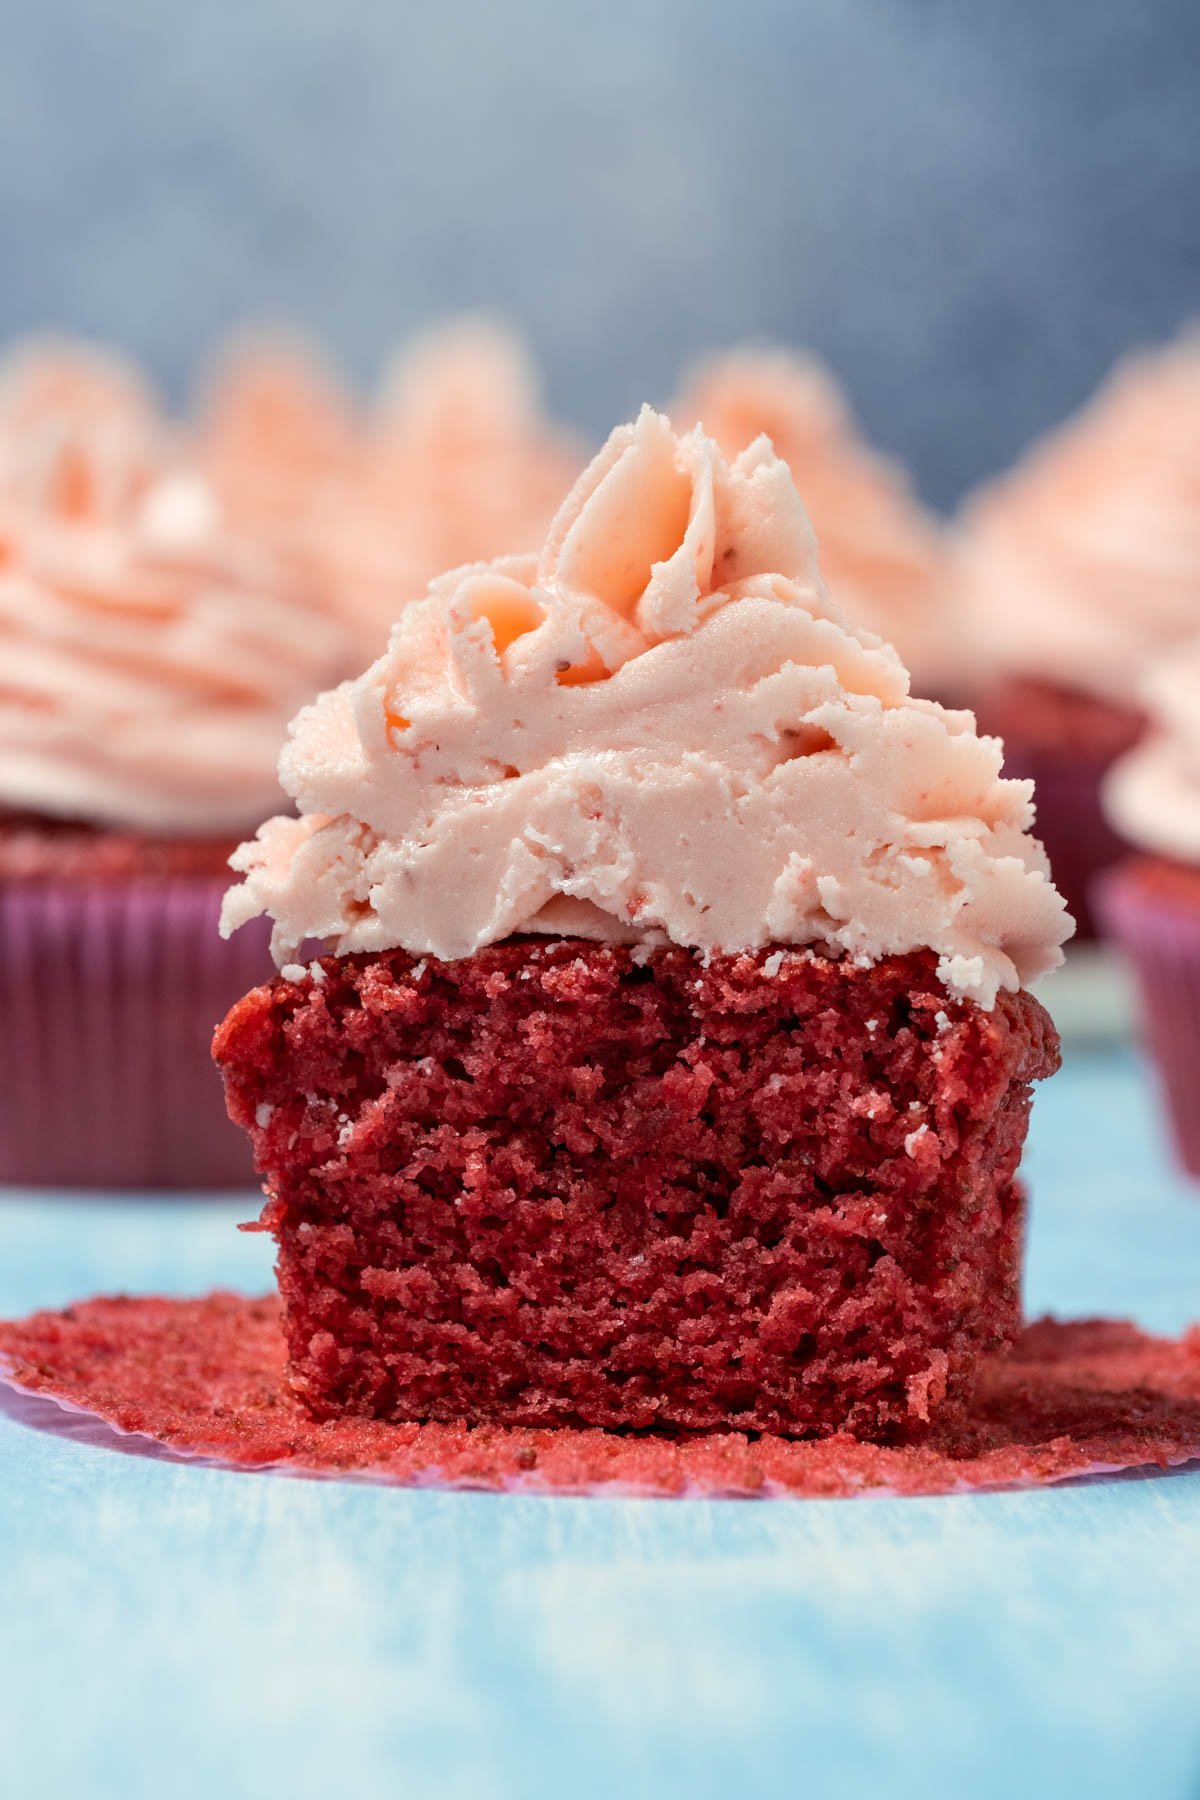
[(559, 1182)]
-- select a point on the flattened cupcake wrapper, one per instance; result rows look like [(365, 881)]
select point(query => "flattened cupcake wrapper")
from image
[(1077, 837), (109, 995), (1162, 941)]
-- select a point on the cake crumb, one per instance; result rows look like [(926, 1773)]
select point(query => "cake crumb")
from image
[(520, 1103)]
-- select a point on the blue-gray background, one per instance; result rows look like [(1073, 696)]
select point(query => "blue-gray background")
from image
[(969, 206)]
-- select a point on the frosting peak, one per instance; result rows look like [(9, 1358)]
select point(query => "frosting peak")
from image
[(148, 661), (882, 554), (462, 462), (662, 728)]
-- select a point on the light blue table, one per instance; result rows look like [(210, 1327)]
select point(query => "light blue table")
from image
[(173, 1630)]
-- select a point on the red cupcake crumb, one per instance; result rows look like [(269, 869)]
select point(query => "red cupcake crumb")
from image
[(207, 1378), (559, 1183)]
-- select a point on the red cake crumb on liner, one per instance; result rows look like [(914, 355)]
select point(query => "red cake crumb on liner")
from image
[(205, 1378), (112, 990)]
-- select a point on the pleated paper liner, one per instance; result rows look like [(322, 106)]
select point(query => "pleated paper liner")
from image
[(205, 1381), (109, 995), (1153, 913)]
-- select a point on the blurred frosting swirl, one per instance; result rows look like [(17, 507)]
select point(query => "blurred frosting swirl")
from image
[(882, 555), (148, 662), (1083, 564), (660, 728), (456, 463), (276, 431), (1152, 793)]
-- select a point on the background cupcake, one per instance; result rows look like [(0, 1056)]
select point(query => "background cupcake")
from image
[(1079, 569), (148, 665), (1151, 903), (455, 463), (883, 556)]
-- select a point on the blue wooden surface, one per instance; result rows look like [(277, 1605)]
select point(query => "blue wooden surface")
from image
[(177, 1630)]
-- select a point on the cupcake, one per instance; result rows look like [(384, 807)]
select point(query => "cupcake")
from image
[(1151, 902), (456, 463), (1080, 568), (672, 1057), (882, 555), (149, 667)]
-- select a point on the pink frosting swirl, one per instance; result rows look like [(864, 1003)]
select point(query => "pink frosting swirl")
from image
[(659, 728), (883, 556), (456, 464), (1152, 793), (1083, 564), (148, 663), (277, 432), (82, 436)]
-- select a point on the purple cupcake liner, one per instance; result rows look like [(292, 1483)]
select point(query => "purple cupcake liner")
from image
[(1078, 839), (1161, 938), (109, 996)]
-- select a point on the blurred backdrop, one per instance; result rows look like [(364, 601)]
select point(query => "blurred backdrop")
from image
[(970, 208)]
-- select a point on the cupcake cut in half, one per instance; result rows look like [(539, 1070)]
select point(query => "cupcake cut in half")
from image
[(672, 1063)]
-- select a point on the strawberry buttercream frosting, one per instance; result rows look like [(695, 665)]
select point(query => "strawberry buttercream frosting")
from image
[(882, 555), (148, 663), (660, 728), (82, 434), (1083, 565), (66, 380), (464, 462), (455, 462), (276, 429), (1152, 793)]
